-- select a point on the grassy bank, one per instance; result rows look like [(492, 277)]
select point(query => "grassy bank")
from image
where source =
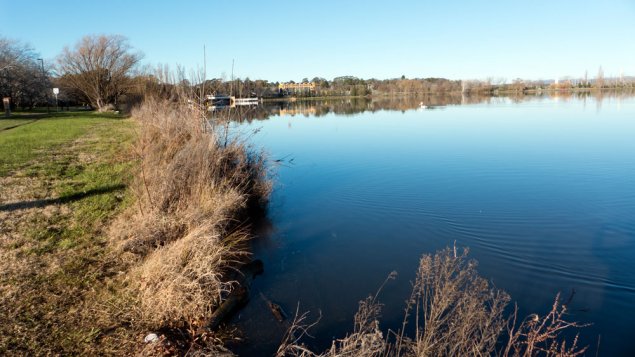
[(113, 228), (193, 193), (63, 178)]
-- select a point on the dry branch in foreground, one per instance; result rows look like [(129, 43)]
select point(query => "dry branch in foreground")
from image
[(455, 312)]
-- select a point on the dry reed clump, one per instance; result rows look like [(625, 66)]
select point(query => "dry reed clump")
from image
[(455, 312), (183, 280), (192, 193), (538, 335), (366, 339)]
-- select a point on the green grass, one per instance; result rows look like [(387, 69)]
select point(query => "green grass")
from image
[(20, 145), (77, 166), (93, 188), (8, 123)]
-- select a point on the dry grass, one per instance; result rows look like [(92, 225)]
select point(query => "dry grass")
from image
[(56, 273), (71, 282), (455, 312), (192, 195), (539, 335), (366, 339)]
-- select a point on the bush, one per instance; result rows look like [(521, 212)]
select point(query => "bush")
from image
[(191, 194)]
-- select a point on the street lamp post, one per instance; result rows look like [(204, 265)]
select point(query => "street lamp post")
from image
[(48, 107)]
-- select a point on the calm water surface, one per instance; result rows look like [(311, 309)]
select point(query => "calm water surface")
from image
[(542, 191)]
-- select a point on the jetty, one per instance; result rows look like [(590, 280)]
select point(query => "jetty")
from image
[(214, 102)]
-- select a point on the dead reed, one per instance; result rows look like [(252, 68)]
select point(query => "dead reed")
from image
[(192, 196), (455, 312)]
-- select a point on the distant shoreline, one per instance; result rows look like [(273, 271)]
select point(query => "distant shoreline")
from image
[(495, 92)]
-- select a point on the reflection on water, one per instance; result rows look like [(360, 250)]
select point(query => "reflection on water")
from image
[(355, 105), (541, 188)]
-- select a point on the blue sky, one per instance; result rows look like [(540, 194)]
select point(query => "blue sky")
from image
[(290, 40)]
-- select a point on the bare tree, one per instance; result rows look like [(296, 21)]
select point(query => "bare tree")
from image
[(100, 68), (599, 79), (22, 77)]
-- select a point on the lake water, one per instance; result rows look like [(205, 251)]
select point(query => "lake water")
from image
[(541, 189)]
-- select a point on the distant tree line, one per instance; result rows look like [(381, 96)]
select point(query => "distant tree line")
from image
[(353, 86), (103, 73)]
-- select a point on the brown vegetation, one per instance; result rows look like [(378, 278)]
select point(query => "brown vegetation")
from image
[(74, 282), (455, 312), (192, 194)]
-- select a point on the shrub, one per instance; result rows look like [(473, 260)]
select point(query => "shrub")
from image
[(192, 194)]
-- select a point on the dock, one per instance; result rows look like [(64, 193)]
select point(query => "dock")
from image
[(221, 101)]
